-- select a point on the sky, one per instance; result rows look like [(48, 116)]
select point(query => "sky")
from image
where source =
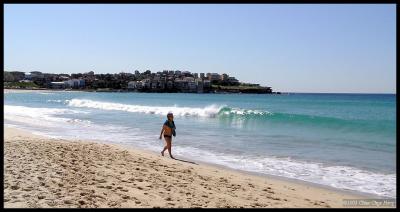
[(322, 48)]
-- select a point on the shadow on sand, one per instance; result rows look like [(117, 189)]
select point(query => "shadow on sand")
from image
[(186, 161)]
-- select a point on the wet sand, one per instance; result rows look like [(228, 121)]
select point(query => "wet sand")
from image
[(42, 172)]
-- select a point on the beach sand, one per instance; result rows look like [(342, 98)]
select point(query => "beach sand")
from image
[(40, 90), (45, 172)]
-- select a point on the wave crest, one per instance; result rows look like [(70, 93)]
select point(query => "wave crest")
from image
[(208, 111)]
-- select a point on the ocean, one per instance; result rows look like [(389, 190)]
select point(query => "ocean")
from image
[(345, 141)]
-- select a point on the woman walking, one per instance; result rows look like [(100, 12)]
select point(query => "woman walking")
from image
[(168, 129)]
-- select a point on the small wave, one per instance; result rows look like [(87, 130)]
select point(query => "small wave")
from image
[(79, 121), (226, 112), (58, 101), (209, 111), (229, 111), (342, 177), (32, 115)]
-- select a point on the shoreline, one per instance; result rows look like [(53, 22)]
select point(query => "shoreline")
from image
[(263, 175), (21, 90), (161, 181), (301, 182)]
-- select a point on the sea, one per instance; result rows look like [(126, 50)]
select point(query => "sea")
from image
[(344, 141)]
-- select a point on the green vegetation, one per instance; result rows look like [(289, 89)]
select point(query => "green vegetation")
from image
[(20, 85), (242, 88), (237, 87)]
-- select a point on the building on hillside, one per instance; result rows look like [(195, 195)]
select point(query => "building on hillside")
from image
[(170, 85), (58, 85), (188, 79), (192, 87), (233, 81), (224, 77), (146, 84), (199, 85), (214, 77), (206, 83), (131, 85)]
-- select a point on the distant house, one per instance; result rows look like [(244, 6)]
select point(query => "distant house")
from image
[(179, 84), (224, 77), (131, 85), (134, 85), (58, 85), (17, 75), (214, 77), (139, 85), (82, 83), (188, 79), (199, 85), (233, 81), (161, 85), (37, 76), (75, 83), (186, 73), (207, 83), (170, 84), (146, 83), (192, 87), (25, 80), (154, 84)]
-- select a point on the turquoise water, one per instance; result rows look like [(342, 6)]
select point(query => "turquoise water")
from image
[(346, 141)]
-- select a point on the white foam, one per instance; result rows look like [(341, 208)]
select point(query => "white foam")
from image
[(209, 111), (341, 177), (336, 176), (38, 115), (243, 112), (47, 121), (58, 101)]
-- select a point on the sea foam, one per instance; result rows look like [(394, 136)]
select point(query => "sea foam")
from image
[(342, 177), (210, 111)]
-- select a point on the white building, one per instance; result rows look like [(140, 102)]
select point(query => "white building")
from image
[(75, 83), (188, 79), (58, 85), (214, 77)]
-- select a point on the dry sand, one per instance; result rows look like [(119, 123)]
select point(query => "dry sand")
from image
[(45, 172)]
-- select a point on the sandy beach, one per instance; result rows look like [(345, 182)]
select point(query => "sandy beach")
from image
[(45, 172), (42, 90)]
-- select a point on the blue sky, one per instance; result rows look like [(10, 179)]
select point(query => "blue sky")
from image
[(292, 48)]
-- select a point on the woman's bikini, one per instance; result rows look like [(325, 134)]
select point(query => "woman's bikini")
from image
[(169, 132)]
